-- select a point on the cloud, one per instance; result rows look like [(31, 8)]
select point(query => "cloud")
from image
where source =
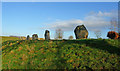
[(93, 21), (112, 13), (68, 25), (100, 20)]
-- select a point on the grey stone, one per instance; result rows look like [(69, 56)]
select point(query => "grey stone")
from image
[(28, 37), (47, 35), (34, 37), (81, 32)]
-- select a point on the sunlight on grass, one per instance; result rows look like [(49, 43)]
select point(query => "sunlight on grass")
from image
[(71, 54)]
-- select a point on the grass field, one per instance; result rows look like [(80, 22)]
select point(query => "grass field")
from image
[(5, 38), (61, 54)]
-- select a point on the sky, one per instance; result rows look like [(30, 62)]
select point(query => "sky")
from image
[(27, 18)]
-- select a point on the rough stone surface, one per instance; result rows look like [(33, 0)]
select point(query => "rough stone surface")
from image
[(47, 35), (81, 32), (113, 35), (28, 37), (34, 37)]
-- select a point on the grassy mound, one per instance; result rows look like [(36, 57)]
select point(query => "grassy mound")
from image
[(64, 54)]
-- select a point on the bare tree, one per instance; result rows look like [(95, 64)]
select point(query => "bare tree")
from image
[(70, 37), (113, 24), (58, 34), (97, 33)]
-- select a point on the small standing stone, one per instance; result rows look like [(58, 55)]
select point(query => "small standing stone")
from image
[(113, 35), (34, 37), (47, 35), (28, 37)]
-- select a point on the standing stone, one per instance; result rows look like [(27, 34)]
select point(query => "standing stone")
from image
[(34, 37), (47, 35), (81, 32), (113, 35), (28, 37)]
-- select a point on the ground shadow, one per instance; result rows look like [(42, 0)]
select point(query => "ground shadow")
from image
[(94, 43), (98, 44), (60, 62)]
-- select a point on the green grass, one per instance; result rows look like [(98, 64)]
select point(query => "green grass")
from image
[(5, 38), (67, 54)]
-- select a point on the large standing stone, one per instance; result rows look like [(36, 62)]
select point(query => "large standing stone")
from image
[(47, 35), (34, 37), (28, 37), (81, 32)]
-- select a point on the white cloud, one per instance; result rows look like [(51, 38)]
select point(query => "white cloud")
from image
[(94, 21), (113, 13), (97, 21), (67, 25)]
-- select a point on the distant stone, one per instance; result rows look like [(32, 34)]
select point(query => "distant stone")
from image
[(34, 37), (81, 32), (47, 35), (28, 37), (113, 35)]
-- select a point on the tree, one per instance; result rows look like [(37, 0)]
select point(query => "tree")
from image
[(70, 37), (113, 24), (58, 34), (98, 33)]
